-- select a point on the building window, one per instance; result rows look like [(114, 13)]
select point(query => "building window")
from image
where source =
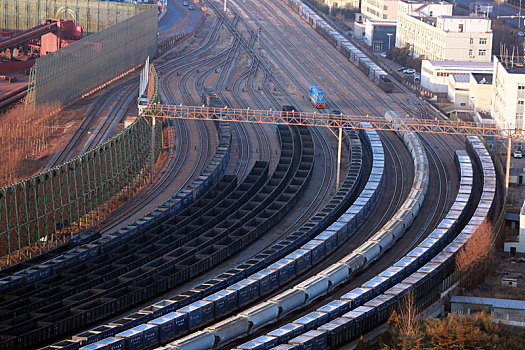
[(482, 41), (470, 52), (482, 52), (461, 28), (521, 87), (520, 102), (471, 41)]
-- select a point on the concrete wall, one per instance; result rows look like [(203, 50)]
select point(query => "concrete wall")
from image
[(458, 92), (480, 95)]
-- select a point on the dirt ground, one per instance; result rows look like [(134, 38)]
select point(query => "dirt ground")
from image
[(504, 267)]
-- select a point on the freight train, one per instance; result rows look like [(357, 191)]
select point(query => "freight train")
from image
[(352, 53)]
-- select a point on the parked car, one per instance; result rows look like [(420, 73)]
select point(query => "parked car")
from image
[(409, 71), (191, 7), (417, 76), (383, 54), (402, 69), (517, 154), (185, 3)]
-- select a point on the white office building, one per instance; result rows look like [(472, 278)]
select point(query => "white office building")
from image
[(508, 95), (431, 31), (379, 9)]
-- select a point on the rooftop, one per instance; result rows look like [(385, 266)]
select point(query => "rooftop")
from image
[(461, 78), (466, 17), (499, 303), (482, 78), (389, 22), (462, 64), (511, 64), (516, 70)]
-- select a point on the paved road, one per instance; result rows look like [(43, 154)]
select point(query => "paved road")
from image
[(179, 18)]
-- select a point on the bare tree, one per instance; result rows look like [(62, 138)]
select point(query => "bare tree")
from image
[(472, 261), (405, 326), (24, 135), (409, 329)]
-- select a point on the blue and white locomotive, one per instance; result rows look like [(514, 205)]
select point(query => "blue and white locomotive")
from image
[(317, 96)]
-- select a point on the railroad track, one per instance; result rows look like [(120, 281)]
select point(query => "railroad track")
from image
[(389, 141), (110, 104), (448, 185), (440, 213)]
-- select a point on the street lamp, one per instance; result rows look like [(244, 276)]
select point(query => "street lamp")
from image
[(519, 17), (389, 35)]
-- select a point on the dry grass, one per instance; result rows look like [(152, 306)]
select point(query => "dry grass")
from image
[(24, 135)]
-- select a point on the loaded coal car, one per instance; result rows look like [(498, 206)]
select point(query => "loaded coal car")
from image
[(211, 99)]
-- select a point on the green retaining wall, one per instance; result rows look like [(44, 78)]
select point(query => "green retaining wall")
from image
[(43, 211)]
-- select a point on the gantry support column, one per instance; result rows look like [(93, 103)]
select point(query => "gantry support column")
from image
[(507, 169), (339, 140)]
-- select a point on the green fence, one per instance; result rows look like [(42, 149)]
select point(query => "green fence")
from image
[(20, 15), (43, 211), (67, 74)]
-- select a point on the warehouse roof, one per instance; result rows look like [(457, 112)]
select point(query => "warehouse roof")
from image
[(497, 303)]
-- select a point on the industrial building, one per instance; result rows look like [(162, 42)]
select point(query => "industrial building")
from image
[(511, 312)]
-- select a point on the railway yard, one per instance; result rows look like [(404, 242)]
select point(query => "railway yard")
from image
[(244, 238)]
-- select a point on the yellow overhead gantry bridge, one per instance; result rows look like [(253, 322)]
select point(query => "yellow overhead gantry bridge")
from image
[(339, 122)]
